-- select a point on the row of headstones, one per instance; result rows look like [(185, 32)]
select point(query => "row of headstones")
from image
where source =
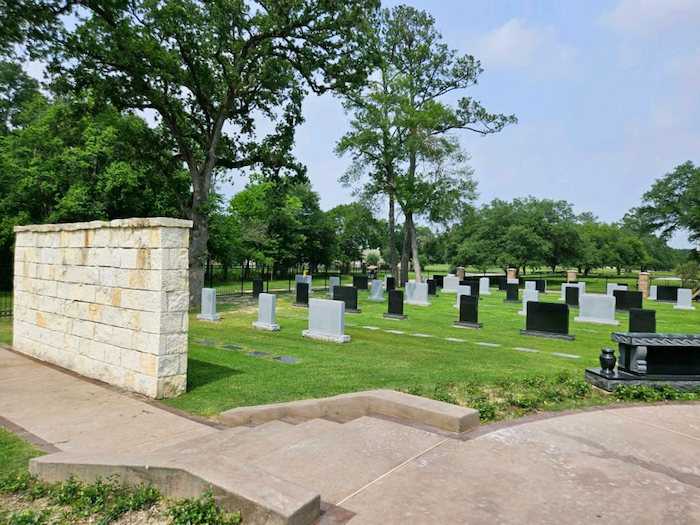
[(683, 297)]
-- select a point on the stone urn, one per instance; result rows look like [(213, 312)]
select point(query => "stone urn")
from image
[(607, 362)]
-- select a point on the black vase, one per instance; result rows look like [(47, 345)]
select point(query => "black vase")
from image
[(607, 361)]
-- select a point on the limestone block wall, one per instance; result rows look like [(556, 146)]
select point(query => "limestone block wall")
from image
[(108, 300)]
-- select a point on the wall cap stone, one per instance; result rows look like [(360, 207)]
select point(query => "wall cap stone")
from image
[(145, 222)]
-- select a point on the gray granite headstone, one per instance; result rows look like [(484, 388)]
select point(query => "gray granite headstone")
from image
[(529, 295), (208, 306), (304, 279), (597, 309), (530, 285), (326, 321), (513, 281), (652, 292), (462, 289), (611, 287), (376, 294), (450, 283), (266, 313), (684, 300), (564, 286), (332, 282), (417, 294), (484, 283)]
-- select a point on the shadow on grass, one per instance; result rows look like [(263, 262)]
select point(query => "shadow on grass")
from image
[(201, 373)]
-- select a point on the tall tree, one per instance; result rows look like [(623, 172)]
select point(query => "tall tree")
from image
[(206, 69), (17, 90), (401, 116)]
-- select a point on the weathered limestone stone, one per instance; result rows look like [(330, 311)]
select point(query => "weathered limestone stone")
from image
[(529, 295), (484, 284), (326, 321), (332, 283), (376, 294), (304, 279), (266, 313), (108, 300), (208, 306), (684, 301), (597, 309), (571, 275), (417, 294), (460, 273), (512, 273), (643, 284)]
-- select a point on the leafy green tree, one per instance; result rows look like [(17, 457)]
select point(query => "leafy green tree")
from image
[(672, 202), (17, 90), (206, 69), (688, 271), (356, 229), (401, 117)]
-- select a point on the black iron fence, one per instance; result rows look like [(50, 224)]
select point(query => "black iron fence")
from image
[(6, 280)]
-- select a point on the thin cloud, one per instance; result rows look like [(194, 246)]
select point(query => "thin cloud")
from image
[(649, 18)]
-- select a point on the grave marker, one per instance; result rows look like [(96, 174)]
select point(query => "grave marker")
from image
[(611, 287), (626, 300), (597, 309), (376, 294), (209, 306), (502, 282), (266, 313), (548, 320), (685, 299), (667, 294), (450, 283), (304, 279), (541, 285), (257, 288), (581, 289), (512, 293), (332, 283), (327, 321), (417, 294), (302, 297), (438, 280), (468, 312), (530, 285), (390, 283), (652, 292), (572, 296), (348, 295), (484, 284), (395, 305), (529, 296), (360, 282), (642, 320), (432, 287), (462, 290)]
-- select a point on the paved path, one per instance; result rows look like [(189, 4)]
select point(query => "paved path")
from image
[(636, 464)]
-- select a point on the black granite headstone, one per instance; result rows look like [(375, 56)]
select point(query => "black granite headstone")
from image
[(502, 283), (257, 288), (547, 320), (439, 280), (667, 294), (626, 300), (464, 282), (432, 287), (512, 290), (469, 312), (391, 283), (623, 284), (395, 305), (474, 283), (642, 320), (347, 294), (572, 296), (302, 295), (360, 282), (541, 285)]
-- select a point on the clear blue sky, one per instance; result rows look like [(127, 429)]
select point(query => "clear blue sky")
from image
[(607, 94)]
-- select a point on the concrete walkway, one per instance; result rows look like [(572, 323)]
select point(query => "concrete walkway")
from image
[(636, 464)]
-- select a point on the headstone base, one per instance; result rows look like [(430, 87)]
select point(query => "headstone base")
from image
[(210, 318), (683, 307), (266, 327), (512, 301), (468, 325), (301, 305), (417, 303), (326, 337), (683, 384), (352, 311), (398, 317), (549, 335), (595, 321), (377, 300)]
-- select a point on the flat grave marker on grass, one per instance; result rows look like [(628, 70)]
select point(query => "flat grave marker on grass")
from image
[(455, 340), (642, 320), (529, 296), (512, 291), (347, 294), (209, 306), (570, 356), (257, 287), (233, 347), (468, 312), (332, 283), (206, 343), (327, 321), (529, 350), (684, 299), (360, 282), (597, 309), (572, 296), (376, 295), (626, 300), (491, 345), (255, 353), (266, 312), (395, 305), (417, 294), (548, 320), (286, 359), (302, 297), (304, 279)]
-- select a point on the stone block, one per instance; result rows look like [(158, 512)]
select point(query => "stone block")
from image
[(684, 300), (304, 279), (529, 295), (450, 283), (581, 289), (208, 306), (462, 289), (332, 283), (327, 321), (267, 303), (597, 309), (376, 294), (416, 294), (484, 283)]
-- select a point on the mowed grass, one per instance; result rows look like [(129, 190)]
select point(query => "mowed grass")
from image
[(15, 454), (499, 380)]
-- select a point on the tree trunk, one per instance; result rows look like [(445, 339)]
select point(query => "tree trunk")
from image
[(414, 246), (199, 234), (392, 239), (405, 256)]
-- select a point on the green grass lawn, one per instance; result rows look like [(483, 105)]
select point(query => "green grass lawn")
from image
[(500, 381), (15, 454)]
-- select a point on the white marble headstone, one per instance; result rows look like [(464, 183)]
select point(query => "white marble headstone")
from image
[(611, 287), (332, 282), (326, 321), (376, 294), (652, 292), (484, 284), (416, 294), (530, 285), (208, 306), (266, 313), (450, 283), (462, 289), (597, 309), (529, 295), (303, 279), (684, 300), (581, 289)]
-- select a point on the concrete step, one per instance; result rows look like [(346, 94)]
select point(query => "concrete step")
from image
[(247, 443)]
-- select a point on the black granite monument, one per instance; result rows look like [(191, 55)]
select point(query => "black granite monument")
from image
[(391, 283), (642, 320), (395, 305), (469, 312), (541, 285), (547, 320), (302, 299), (572, 296), (432, 287), (502, 283), (439, 280), (667, 294), (625, 300), (257, 288), (512, 293), (360, 282), (347, 294)]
